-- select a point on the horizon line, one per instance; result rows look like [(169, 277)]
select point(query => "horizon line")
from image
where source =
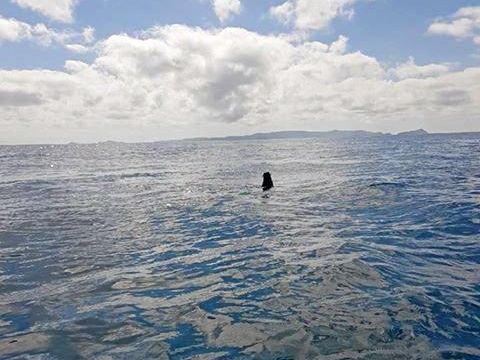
[(204, 138)]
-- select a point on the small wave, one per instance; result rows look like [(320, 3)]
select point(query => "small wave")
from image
[(138, 175), (387, 184)]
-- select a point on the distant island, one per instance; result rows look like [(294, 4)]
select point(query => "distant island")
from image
[(418, 132), (310, 135), (295, 134)]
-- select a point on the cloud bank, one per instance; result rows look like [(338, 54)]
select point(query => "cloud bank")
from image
[(180, 77)]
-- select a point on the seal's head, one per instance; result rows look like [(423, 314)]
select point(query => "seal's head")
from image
[(267, 181)]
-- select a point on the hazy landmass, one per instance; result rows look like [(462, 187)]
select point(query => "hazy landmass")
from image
[(310, 134), (418, 132), (295, 134)]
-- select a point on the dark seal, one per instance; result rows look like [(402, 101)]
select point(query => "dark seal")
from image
[(267, 181)]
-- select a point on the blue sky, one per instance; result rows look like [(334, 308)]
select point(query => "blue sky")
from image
[(390, 30), (428, 38)]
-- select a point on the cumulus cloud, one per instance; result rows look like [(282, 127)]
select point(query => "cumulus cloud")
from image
[(77, 48), (464, 24), (454, 98), (312, 14), (284, 13), (18, 98), (13, 30), (220, 73), (88, 34), (179, 77), (339, 46), (224, 9), (74, 66), (410, 70), (60, 10)]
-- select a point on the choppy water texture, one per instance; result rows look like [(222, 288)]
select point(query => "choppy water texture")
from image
[(366, 249)]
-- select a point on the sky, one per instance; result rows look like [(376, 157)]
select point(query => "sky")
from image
[(146, 70)]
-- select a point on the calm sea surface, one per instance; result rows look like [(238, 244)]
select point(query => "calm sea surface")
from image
[(365, 249)]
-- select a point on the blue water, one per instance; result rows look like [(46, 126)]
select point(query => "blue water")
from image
[(365, 249)]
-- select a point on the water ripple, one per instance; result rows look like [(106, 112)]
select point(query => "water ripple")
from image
[(365, 249)]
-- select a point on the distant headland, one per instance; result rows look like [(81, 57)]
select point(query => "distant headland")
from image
[(419, 132), (311, 134), (295, 134)]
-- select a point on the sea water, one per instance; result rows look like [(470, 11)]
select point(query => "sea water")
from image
[(367, 248)]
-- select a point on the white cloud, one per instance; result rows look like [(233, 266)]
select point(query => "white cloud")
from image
[(77, 48), (88, 34), (18, 98), (312, 14), (181, 80), (472, 12), (465, 23), (410, 70), (339, 46), (224, 9), (73, 66), (285, 13), (60, 10), (13, 30)]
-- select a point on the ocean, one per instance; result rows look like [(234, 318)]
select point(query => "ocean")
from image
[(367, 248)]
